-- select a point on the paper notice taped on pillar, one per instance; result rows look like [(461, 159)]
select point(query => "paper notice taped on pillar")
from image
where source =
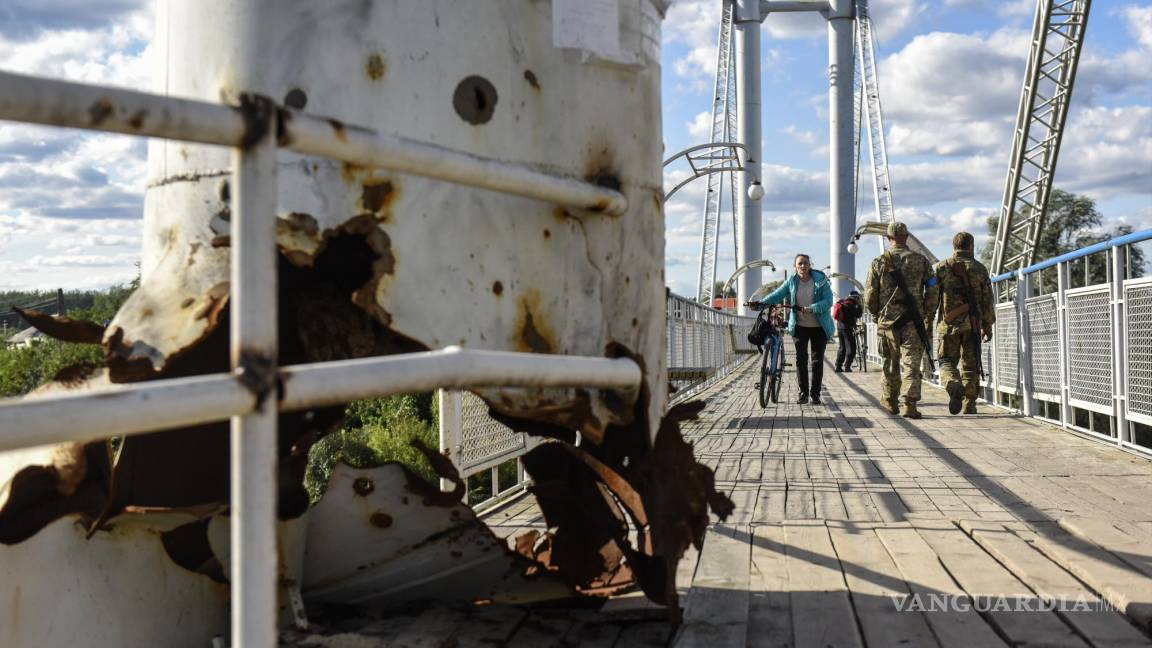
[(589, 25)]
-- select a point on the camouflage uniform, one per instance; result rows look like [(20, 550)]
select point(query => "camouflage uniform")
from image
[(959, 339), (900, 347)]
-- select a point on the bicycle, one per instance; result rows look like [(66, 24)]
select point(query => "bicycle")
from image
[(772, 358), (862, 347)]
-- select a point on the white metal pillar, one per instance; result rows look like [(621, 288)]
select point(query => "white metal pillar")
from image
[(748, 211), (1024, 343), (841, 124), (1119, 259)]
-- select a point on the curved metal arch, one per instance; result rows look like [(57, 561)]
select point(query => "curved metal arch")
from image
[(717, 163), (758, 263)]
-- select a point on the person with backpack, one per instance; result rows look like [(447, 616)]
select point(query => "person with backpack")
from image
[(846, 313)]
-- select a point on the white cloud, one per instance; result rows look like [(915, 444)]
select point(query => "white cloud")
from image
[(1139, 19), (700, 128)]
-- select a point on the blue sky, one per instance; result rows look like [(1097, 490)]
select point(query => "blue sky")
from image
[(950, 76)]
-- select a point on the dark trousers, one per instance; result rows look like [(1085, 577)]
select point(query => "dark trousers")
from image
[(818, 339), (846, 354)]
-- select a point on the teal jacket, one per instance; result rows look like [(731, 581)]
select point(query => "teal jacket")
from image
[(821, 301)]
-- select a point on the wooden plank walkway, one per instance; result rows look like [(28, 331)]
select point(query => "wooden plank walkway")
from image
[(854, 527), (867, 529)]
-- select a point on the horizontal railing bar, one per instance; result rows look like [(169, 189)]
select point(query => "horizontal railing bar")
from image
[(137, 408), (77, 105), (1127, 239), (121, 410), (328, 383), (113, 110), (319, 136)]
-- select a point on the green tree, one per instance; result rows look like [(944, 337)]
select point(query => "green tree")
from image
[(1073, 222)]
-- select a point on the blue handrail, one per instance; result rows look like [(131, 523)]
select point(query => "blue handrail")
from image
[(1127, 239)]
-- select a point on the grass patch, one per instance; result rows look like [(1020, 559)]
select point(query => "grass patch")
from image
[(377, 431)]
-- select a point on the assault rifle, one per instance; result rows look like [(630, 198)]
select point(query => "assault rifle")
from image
[(910, 307)]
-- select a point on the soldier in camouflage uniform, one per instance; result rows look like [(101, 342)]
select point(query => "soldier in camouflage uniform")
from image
[(962, 324), (899, 343)]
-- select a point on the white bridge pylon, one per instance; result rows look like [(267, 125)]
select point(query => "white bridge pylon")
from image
[(853, 97)]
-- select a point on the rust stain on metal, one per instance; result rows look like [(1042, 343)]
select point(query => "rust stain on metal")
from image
[(350, 172), (99, 111), (257, 374), (377, 196), (530, 77), (497, 288), (213, 303), (299, 239), (380, 520), (339, 130), (561, 214), (136, 122), (63, 328), (375, 67), (363, 486), (547, 233), (257, 112), (533, 334)]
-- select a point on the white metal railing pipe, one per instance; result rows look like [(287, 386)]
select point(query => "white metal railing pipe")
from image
[(121, 410), (136, 408), (253, 343), (113, 110), (327, 383), (77, 105), (329, 138)]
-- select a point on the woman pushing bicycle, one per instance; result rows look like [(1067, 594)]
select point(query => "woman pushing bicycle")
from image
[(809, 322)]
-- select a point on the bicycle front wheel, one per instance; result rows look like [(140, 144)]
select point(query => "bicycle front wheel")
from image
[(777, 373), (764, 387)]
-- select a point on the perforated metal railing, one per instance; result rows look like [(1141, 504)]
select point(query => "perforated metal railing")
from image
[(704, 345), (1045, 336), (254, 132), (1084, 358), (1138, 304), (1090, 348)]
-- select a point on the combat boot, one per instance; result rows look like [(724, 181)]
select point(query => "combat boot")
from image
[(891, 405), (911, 412), (970, 407), (955, 397)]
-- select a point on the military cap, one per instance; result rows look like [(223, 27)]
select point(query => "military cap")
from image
[(897, 229)]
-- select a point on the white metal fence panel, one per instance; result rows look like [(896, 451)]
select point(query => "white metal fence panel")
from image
[(1090, 348), (1044, 334), (1138, 340), (704, 344), (484, 441), (1007, 349)]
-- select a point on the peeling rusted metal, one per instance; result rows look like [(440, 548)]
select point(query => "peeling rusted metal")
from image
[(62, 327)]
